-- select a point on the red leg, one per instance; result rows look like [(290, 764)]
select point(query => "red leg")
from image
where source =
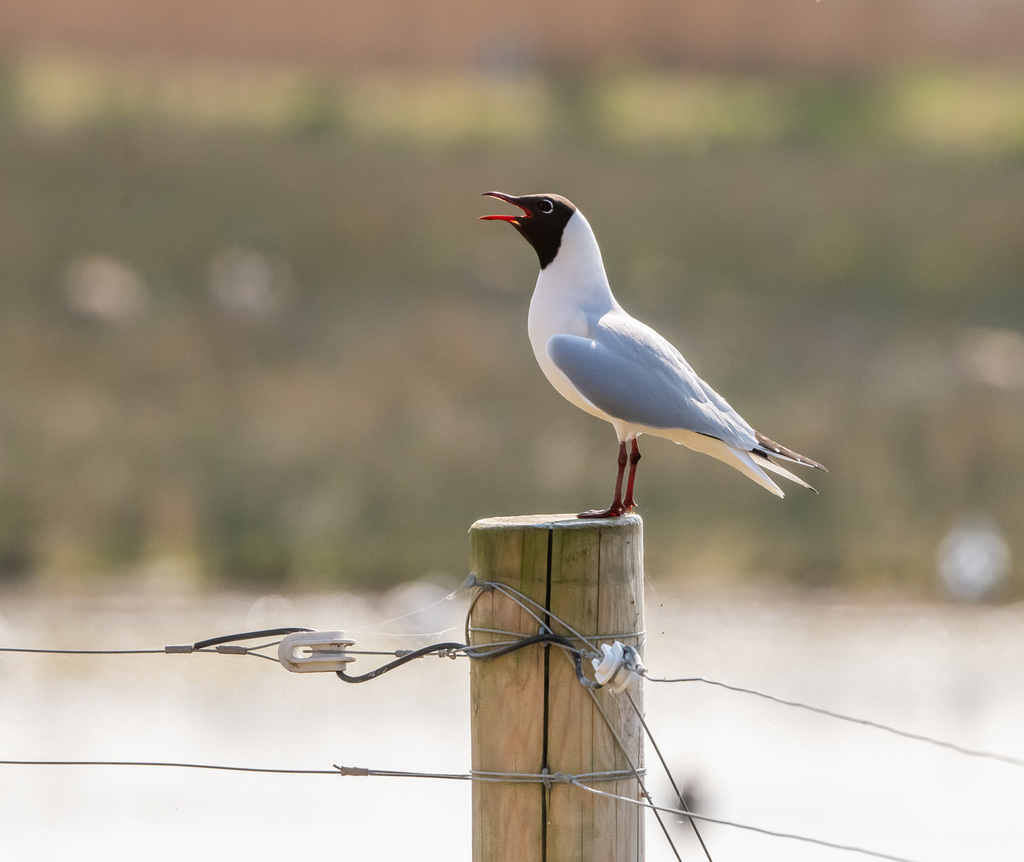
[(616, 508), (629, 504)]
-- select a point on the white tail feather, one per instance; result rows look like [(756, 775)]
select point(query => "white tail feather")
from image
[(731, 455), (769, 464)]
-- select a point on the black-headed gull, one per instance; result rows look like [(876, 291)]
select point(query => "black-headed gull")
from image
[(615, 367)]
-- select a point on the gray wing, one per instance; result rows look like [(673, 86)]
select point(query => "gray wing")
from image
[(632, 373)]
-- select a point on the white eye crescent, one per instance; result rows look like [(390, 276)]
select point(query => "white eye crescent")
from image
[(545, 206)]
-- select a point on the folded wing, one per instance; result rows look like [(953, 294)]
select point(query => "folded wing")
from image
[(631, 373)]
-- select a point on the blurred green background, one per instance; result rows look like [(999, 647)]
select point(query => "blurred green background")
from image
[(253, 336)]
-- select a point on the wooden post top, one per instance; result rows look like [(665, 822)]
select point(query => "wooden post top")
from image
[(548, 522)]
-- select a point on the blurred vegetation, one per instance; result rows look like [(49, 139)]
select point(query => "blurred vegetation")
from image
[(252, 334)]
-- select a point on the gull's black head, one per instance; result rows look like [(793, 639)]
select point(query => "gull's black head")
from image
[(542, 222)]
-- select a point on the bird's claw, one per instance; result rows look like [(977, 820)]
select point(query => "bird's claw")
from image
[(613, 511)]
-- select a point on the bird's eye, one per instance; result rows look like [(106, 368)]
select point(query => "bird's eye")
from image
[(545, 206)]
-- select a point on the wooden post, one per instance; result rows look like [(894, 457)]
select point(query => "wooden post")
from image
[(529, 711)]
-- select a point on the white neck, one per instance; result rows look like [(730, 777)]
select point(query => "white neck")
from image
[(574, 282), (578, 261)]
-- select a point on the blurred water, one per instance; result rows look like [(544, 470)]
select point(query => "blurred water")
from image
[(954, 672)]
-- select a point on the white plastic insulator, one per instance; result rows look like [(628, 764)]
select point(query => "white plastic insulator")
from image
[(312, 652), (613, 670)]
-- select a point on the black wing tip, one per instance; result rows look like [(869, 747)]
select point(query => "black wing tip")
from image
[(769, 447)]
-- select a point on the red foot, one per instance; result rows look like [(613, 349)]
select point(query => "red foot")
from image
[(611, 512)]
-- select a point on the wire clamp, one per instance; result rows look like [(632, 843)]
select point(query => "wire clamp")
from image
[(617, 668), (313, 652)]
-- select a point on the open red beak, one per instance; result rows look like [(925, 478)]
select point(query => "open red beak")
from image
[(512, 199)]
